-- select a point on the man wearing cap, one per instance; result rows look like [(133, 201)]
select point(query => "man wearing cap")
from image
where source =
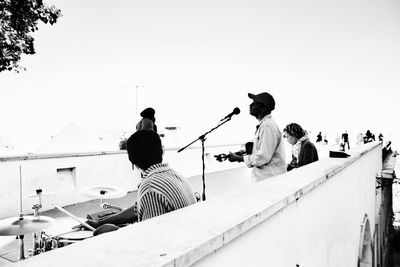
[(268, 155)]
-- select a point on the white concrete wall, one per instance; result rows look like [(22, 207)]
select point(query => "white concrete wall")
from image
[(91, 169), (322, 228), (311, 217), (112, 169)]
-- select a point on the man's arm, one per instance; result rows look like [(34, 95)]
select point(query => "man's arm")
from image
[(128, 215), (232, 157), (151, 205)]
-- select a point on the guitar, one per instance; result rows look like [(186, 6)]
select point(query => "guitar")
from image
[(247, 151)]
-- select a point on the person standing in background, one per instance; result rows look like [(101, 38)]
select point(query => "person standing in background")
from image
[(360, 138), (319, 137), (369, 137), (345, 138), (148, 121), (325, 140)]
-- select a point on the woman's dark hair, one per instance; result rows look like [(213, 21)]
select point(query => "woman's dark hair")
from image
[(144, 149), (295, 130)]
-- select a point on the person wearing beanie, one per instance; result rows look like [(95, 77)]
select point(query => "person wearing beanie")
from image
[(148, 120), (268, 154)]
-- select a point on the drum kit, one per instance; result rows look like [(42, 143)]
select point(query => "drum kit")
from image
[(58, 233)]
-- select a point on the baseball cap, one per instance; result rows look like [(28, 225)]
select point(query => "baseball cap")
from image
[(265, 99)]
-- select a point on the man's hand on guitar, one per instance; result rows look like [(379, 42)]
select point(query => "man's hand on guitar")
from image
[(237, 156), (233, 157)]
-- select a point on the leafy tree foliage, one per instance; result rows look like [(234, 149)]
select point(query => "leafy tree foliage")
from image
[(18, 20)]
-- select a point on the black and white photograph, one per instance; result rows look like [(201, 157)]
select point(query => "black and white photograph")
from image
[(199, 133)]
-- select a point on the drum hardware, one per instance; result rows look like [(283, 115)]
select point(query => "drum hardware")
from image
[(60, 235), (42, 241), (197, 196), (104, 192), (105, 206), (24, 224), (72, 237), (46, 242), (38, 206), (39, 194)]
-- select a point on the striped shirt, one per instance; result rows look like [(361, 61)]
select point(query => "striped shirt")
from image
[(162, 190)]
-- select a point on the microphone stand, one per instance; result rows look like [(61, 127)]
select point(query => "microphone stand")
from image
[(202, 138)]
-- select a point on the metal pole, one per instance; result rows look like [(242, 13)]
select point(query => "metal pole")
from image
[(204, 168), (20, 191), (21, 247)]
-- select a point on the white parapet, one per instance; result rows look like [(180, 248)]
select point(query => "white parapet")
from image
[(65, 174), (311, 216)]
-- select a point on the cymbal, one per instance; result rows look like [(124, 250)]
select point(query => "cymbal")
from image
[(24, 225), (42, 194), (103, 192)]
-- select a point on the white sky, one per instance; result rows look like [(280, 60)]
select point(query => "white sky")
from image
[(331, 66)]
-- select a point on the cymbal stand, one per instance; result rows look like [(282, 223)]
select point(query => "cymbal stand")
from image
[(38, 206), (105, 205), (21, 217), (36, 239), (21, 247)]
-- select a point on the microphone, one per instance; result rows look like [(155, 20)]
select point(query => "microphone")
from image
[(234, 112)]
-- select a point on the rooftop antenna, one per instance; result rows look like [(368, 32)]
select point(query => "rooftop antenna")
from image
[(136, 99), (20, 192)]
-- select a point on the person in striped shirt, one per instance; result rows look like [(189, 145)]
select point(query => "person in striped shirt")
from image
[(161, 190)]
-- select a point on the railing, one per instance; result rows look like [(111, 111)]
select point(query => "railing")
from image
[(94, 153)]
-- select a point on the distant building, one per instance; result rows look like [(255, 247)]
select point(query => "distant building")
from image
[(71, 139)]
